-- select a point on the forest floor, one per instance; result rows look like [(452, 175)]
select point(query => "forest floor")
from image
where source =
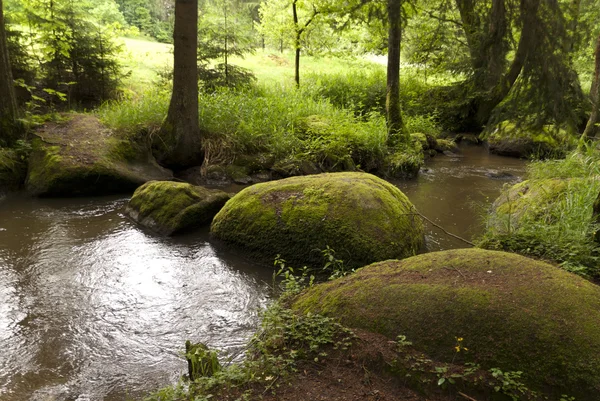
[(359, 373)]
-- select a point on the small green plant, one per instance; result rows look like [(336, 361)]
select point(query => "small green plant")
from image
[(334, 266), (291, 282), (509, 383), (202, 361)]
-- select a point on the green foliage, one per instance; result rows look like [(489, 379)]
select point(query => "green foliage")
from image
[(202, 361), (559, 226), (153, 18), (224, 30), (73, 47), (283, 341)]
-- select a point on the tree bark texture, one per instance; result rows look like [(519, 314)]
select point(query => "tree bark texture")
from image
[(8, 103), (591, 128), (180, 143), (393, 107), (485, 105)]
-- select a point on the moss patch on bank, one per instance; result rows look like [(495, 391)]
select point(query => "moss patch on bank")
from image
[(504, 306), (509, 139), (170, 207), (82, 157), (363, 218)]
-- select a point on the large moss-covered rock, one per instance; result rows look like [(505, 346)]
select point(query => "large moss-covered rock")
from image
[(170, 207), (363, 218), (513, 313), (507, 139), (82, 157), (526, 201)]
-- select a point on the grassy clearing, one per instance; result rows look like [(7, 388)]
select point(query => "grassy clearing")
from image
[(555, 221), (334, 122), (142, 61)]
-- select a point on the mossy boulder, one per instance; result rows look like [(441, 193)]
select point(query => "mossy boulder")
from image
[(82, 157), (363, 218), (526, 201), (508, 139), (170, 207), (513, 313)]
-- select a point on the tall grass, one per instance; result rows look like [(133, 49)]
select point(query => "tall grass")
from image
[(562, 227), (283, 123)]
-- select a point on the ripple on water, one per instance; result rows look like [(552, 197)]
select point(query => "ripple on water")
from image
[(95, 308)]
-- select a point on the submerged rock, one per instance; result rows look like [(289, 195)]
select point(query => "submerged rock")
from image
[(170, 207), (513, 313), (363, 218), (82, 157)]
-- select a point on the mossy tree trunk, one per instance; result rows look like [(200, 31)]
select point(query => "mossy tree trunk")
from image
[(396, 131), (9, 128), (591, 129), (179, 145)]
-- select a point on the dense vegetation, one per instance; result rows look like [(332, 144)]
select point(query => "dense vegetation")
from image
[(247, 91)]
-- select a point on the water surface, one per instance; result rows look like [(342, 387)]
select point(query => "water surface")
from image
[(92, 307)]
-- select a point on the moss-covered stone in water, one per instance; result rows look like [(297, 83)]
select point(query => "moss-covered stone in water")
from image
[(171, 207), (363, 218), (513, 313), (82, 157), (507, 139)]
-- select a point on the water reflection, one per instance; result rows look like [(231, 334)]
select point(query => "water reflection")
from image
[(95, 308), (92, 307)]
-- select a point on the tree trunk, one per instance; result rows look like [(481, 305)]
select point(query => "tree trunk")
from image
[(296, 44), (591, 129), (486, 105), (9, 128), (179, 145), (393, 107)]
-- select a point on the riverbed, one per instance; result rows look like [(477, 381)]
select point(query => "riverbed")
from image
[(93, 307)]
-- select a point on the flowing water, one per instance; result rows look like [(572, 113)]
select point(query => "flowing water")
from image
[(93, 307)]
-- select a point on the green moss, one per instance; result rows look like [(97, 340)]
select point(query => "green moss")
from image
[(82, 157), (170, 207), (509, 139), (525, 201), (505, 307), (403, 163), (443, 145), (360, 216)]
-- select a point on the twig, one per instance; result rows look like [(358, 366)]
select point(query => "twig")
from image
[(466, 396), (442, 228), (458, 271)]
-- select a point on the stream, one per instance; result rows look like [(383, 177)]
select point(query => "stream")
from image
[(93, 307)]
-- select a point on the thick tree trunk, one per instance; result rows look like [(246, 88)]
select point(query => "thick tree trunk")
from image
[(486, 105), (393, 107), (179, 145), (8, 106), (591, 129)]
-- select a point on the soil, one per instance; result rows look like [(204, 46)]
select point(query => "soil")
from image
[(350, 375)]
